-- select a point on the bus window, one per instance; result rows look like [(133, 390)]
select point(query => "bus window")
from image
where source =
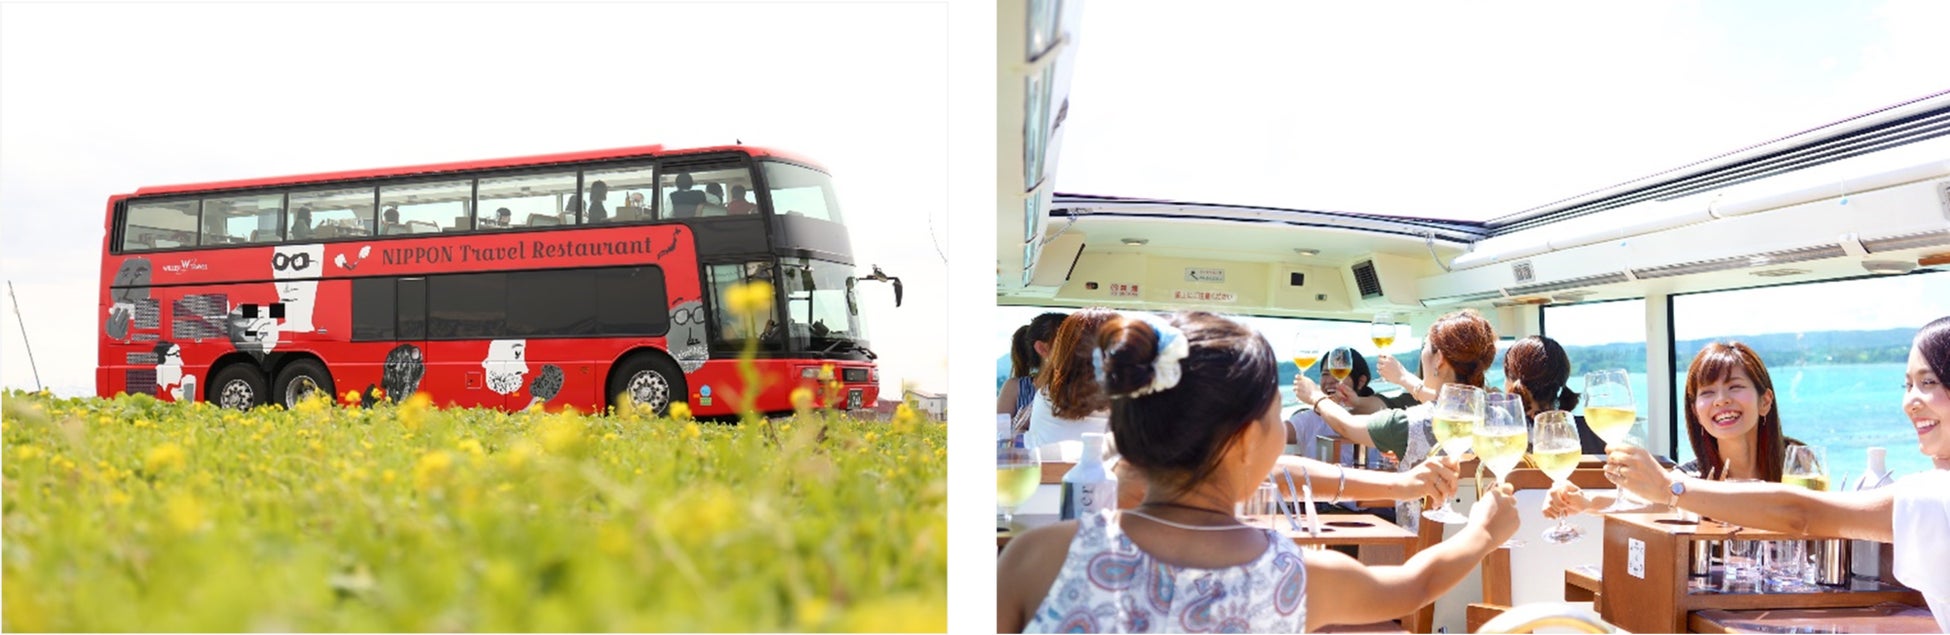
[(159, 225), (332, 213), (801, 191), (618, 195), (532, 200), (698, 192), (733, 329), (1601, 336), (241, 219), (424, 208)]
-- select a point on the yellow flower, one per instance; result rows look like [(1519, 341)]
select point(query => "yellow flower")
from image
[(826, 371), (413, 413), (164, 457), (564, 436), (680, 410), (351, 396), (473, 447), (692, 431), (183, 512), (26, 452), (749, 299), (433, 469), (802, 399)]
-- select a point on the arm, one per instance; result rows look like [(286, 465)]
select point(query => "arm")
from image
[(1433, 478), (1771, 506), (1025, 571), (1005, 403), (1392, 371), (1349, 426), (1342, 591)]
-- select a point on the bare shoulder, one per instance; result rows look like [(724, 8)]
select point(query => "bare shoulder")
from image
[(1027, 568)]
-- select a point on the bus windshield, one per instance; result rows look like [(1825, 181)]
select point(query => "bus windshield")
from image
[(801, 191), (822, 306)]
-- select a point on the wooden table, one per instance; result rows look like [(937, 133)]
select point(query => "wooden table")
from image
[(1581, 584), (1336, 529), (1647, 588), (1881, 618)]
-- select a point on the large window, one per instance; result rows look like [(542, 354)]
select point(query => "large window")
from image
[(251, 218), (1836, 352), (331, 213), (620, 195), (801, 191), (555, 303), (701, 192), (533, 200), (424, 208), (160, 225), (1601, 336)]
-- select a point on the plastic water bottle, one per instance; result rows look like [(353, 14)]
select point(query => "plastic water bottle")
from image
[(1866, 555), (1089, 488)]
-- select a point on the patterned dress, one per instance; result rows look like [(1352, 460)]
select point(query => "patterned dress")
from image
[(1108, 585)]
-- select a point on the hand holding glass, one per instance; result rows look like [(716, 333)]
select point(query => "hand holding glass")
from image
[(1556, 451), (1382, 331), (1307, 349), (1458, 411), (1612, 412)]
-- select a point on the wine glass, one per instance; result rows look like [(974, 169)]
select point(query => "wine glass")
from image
[(1017, 473), (1307, 349), (1611, 412), (1458, 411), (1499, 441), (1382, 331), (1339, 364), (1556, 450), (1806, 466)]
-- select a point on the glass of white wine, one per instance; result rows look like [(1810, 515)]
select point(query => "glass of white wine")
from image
[(1501, 438), (1555, 449), (1382, 331), (1307, 349), (1611, 412), (1458, 411), (1806, 466), (1339, 364), (1017, 473)]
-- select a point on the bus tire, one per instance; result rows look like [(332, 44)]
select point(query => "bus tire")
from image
[(650, 379), (239, 386), (299, 380)]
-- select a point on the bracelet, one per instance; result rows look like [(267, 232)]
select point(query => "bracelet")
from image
[(1317, 400), (1342, 487)]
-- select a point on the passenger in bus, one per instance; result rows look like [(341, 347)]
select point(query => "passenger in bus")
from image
[(1732, 423), (1195, 405), (390, 224), (1914, 514), (597, 191), (301, 223), (1028, 349), (1536, 369), (1352, 394), (685, 201), (1461, 347), (503, 218), (572, 211), (1068, 400), (738, 204)]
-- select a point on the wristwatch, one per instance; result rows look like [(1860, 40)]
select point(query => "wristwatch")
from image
[(1678, 487)]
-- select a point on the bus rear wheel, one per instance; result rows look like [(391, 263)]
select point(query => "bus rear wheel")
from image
[(650, 381), (300, 379), (238, 386)]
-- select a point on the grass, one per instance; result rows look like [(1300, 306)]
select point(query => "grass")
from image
[(131, 514)]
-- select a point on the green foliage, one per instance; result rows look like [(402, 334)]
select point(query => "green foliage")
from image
[(137, 515)]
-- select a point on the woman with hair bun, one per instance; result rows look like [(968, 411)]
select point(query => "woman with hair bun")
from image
[(1194, 406), (1536, 369), (1914, 513)]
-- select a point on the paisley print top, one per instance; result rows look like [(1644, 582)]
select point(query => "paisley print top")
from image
[(1108, 585)]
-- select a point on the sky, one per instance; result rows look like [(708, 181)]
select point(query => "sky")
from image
[(1465, 110), (103, 99)]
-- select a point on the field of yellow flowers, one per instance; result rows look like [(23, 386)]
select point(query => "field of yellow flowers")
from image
[(133, 514)]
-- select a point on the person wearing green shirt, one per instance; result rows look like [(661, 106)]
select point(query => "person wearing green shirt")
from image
[(1460, 348)]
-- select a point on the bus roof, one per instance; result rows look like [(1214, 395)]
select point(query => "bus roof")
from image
[(456, 166)]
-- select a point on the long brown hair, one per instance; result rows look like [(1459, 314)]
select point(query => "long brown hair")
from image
[(1068, 376), (1467, 342), (1177, 436), (1536, 369), (1715, 362), (1023, 360)]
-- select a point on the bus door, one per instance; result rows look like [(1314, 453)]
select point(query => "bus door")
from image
[(464, 313)]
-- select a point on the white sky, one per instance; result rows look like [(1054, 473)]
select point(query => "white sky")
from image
[(100, 99), (1465, 110)]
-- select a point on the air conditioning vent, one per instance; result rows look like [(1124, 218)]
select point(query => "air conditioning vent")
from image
[(1741, 262), (1907, 241), (1522, 272), (1365, 279), (1460, 299), (1587, 281)]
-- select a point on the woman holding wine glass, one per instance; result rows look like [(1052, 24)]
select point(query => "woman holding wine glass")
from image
[(1195, 408), (1731, 422), (1460, 347), (1914, 514)]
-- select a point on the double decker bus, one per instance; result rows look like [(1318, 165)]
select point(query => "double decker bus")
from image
[(558, 281)]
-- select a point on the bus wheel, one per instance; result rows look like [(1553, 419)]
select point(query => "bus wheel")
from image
[(650, 380), (300, 379), (238, 386)]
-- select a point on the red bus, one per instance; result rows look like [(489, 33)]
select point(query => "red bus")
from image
[(562, 280)]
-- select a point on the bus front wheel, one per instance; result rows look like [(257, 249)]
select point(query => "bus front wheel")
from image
[(650, 381), (238, 386), (300, 379)]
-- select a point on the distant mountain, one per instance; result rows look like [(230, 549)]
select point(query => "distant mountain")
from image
[(1776, 349)]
